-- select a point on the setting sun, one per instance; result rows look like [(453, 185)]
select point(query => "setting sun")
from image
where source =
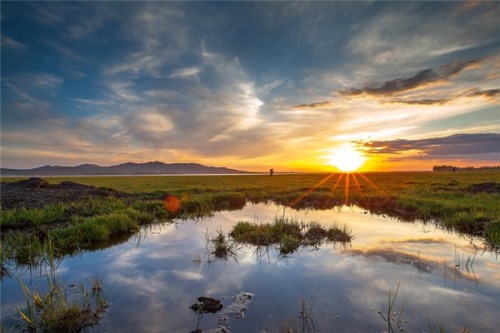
[(346, 158)]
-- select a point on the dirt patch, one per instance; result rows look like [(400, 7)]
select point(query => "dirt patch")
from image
[(36, 193), (485, 188)]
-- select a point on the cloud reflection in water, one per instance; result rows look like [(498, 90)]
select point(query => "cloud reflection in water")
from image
[(152, 280)]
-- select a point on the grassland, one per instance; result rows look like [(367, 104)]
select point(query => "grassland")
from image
[(465, 201)]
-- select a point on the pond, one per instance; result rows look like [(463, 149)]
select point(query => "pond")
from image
[(153, 278)]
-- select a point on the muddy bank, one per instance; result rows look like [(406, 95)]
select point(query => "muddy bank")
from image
[(37, 193)]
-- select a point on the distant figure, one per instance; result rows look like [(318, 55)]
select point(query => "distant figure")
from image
[(271, 172)]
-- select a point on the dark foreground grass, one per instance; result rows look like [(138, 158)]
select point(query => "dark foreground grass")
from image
[(465, 201), (61, 308), (56, 311)]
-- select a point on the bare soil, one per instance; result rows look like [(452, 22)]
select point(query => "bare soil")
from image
[(36, 193)]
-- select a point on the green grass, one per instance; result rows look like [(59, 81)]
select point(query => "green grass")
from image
[(287, 234), (73, 226), (450, 200), (52, 311), (86, 231), (23, 217), (221, 246), (61, 308)]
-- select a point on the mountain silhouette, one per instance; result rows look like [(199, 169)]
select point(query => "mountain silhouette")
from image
[(129, 168)]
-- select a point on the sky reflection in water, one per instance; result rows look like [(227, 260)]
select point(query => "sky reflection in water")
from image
[(151, 280)]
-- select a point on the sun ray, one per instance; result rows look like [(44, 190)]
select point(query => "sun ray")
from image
[(355, 184), (341, 175), (312, 189), (346, 190), (338, 182), (373, 185), (358, 186)]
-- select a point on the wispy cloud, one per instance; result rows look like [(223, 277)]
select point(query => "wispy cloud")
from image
[(11, 43), (66, 51), (50, 13), (122, 91), (45, 81), (184, 72), (30, 92), (136, 63), (148, 127), (396, 35), (74, 21), (164, 94), (269, 87)]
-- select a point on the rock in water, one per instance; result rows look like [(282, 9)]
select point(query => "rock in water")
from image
[(240, 304), (206, 305), (237, 308)]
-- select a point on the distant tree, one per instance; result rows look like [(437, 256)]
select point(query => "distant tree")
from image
[(451, 168)]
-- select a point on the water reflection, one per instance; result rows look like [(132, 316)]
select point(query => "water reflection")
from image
[(153, 278)]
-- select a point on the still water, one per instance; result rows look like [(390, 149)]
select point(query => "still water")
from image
[(152, 278)]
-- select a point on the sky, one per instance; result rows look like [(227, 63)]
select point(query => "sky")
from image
[(250, 85)]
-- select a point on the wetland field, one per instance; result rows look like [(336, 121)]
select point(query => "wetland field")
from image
[(359, 252)]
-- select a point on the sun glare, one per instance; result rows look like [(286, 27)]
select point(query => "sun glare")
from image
[(346, 158)]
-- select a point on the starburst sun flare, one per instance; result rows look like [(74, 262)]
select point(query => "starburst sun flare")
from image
[(346, 158)]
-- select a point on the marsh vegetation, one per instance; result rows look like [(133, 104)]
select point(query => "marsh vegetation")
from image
[(466, 202), (287, 234), (118, 212), (59, 307)]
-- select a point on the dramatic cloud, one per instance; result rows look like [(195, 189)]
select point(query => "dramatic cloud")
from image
[(459, 144), (247, 85), (418, 80)]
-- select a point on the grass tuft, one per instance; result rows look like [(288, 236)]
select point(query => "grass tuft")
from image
[(287, 234), (61, 308), (221, 246)]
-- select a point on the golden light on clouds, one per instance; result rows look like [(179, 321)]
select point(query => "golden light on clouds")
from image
[(166, 90)]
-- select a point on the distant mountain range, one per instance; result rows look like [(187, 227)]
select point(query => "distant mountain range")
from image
[(150, 168)]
